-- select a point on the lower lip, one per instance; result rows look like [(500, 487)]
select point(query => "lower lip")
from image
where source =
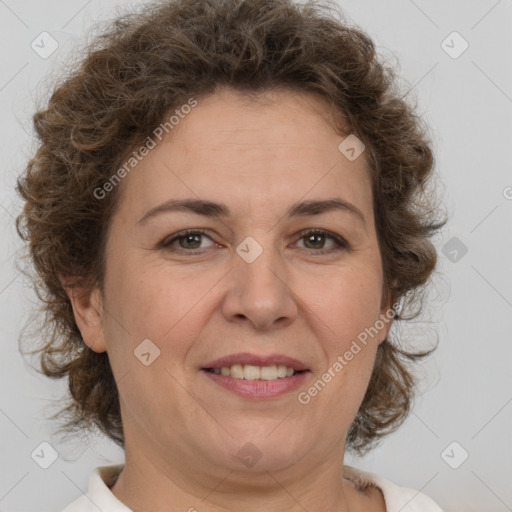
[(258, 388)]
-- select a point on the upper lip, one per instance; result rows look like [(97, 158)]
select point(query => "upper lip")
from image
[(257, 360)]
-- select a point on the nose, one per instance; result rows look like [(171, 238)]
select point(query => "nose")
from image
[(261, 293)]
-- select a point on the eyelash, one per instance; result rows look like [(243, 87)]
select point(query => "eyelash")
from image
[(341, 244)]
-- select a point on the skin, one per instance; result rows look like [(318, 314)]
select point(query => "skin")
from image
[(182, 430)]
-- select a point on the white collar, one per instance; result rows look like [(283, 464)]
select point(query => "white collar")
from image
[(100, 498)]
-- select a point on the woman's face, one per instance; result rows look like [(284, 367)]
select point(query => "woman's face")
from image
[(254, 285)]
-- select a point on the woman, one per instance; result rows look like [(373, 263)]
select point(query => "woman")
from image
[(226, 213)]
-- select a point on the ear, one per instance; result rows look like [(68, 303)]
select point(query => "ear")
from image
[(387, 314), (88, 311)]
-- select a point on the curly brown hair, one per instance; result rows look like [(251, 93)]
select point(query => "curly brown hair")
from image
[(148, 63)]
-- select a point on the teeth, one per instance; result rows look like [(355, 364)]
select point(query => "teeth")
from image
[(269, 372), (251, 372), (237, 371)]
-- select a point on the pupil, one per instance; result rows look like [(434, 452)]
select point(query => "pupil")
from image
[(312, 237), (189, 238)]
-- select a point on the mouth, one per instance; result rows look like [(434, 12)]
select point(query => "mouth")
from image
[(252, 376), (252, 372)]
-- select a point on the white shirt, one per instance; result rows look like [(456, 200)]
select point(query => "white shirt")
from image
[(398, 499)]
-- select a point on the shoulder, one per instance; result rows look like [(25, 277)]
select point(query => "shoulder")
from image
[(99, 496), (398, 499)]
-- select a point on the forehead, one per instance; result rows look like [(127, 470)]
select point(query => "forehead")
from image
[(234, 122), (250, 150)]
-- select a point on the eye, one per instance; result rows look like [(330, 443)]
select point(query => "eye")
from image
[(315, 237), (189, 241)]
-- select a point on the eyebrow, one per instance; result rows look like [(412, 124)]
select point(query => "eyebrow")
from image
[(211, 209)]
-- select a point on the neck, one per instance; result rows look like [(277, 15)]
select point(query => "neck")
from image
[(167, 487)]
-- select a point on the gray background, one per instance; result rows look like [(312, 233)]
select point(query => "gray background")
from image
[(466, 390)]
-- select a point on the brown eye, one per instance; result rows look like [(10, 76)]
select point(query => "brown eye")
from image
[(188, 241), (315, 240)]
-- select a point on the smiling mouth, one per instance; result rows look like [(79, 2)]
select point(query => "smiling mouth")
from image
[(252, 372)]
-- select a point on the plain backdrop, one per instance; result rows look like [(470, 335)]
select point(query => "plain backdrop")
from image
[(456, 445)]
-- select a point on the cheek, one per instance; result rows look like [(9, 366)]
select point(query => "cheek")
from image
[(347, 316), (349, 303), (164, 304)]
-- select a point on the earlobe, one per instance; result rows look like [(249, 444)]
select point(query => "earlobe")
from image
[(88, 313), (386, 316)]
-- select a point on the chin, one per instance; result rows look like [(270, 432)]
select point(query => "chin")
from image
[(265, 449)]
